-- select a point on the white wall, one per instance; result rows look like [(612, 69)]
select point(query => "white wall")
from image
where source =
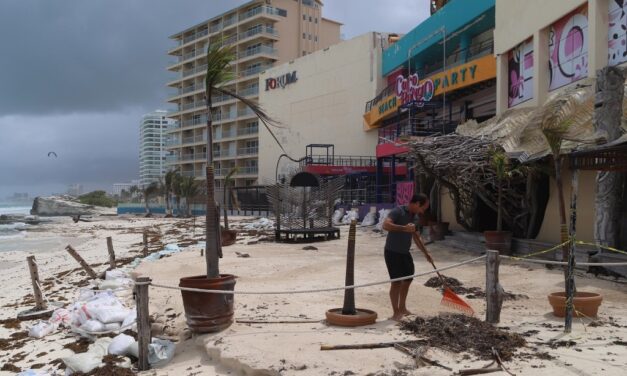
[(325, 105)]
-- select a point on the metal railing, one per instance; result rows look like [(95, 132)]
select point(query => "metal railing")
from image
[(258, 10), (215, 28), (258, 30), (195, 70), (255, 70), (339, 160), (229, 21), (257, 50), (245, 112), (192, 54), (253, 150), (247, 131), (248, 170), (253, 90), (230, 40), (192, 139), (199, 34), (417, 127), (228, 134), (190, 88)]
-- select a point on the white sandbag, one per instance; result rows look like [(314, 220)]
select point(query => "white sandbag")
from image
[(112, 327), (353, 214), (41, 329), (93, 326), (160, 352), (383, 214), (119, 345), (172, 248), (338, 214), (101, 346), (115, 284), (84, 362), (130, 319), (109, 314), (369, 219), (61, 316), (34, 372), (115, 274)]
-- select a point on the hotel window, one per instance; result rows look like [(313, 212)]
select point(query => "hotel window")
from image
[(304, 17), (310, 19), (304, 53), (309, 36), (304, 36), (316, 20)]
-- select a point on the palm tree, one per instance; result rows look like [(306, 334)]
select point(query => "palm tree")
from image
[(168, 186), (227, 189), (219, 72), (133, 191), (176, 190), (559, 119), (149, 191), (189, 188)]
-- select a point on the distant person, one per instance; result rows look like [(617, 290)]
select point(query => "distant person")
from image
[(401, 225)]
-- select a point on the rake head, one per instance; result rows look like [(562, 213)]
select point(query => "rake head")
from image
[(450, 299)]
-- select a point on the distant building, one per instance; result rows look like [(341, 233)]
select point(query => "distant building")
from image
[(152, 137), (75, 190), (265, 34), (119, 187)]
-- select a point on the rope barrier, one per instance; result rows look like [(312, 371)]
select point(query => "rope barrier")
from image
[(540, 252), (309, 291), (601, 246), (549, 262)]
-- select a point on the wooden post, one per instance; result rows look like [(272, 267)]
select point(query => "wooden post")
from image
[(111, 253), (493, 290), (80, 260), (145, 241), (570, 271), (143, 321), (34, 277)]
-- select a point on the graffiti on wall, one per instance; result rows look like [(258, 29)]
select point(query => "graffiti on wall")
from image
[(520, 73), (617, 32), (404, 191), (568, 49)]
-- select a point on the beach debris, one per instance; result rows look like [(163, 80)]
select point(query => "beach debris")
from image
[(370, 219), (160, 351), (242, 254), (90, 360), (309, 248), (82, 262), (120, 344), (418, 354), (364, 346), (460, 333), (34, 372), (260, 224), (470, 292), (351, 215)]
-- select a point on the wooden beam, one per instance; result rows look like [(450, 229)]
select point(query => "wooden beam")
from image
[(40, 304), (111, 253), (82, 262), (143, 321), (493, 290)]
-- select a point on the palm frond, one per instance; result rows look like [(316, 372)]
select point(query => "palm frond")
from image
[(219, 59), (265, 119)]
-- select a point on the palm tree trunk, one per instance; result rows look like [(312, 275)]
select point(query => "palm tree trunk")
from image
[(562, 208), (167, 204), (349, 295), (211, 231), (499, 210), (226, 215)]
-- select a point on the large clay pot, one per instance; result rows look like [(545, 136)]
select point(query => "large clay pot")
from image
[(360, 318), (586, 303), (437, 230), (499, 241), (228, 237), (208, 312)]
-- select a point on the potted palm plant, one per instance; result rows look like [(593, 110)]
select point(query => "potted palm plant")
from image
[(559, 118), (499, 240), (211, 312)]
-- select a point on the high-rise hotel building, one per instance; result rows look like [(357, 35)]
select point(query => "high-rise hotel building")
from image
[(152, 138), (265, 33)]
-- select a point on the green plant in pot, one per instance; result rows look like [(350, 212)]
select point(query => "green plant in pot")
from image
[(499, 240), (560, 120), (211, 312)]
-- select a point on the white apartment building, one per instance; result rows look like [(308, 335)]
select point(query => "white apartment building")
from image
[(152, 153), (265, 33)]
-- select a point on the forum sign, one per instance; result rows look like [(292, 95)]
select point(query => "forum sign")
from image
[(281, 81)]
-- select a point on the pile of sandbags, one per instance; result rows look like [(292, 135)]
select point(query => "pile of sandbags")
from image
[(383, 214), (100, 312)]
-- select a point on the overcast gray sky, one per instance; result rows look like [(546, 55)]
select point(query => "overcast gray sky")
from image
[(76, 76)]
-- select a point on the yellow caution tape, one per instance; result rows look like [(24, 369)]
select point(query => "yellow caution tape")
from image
[(540, 252), (602, 247)]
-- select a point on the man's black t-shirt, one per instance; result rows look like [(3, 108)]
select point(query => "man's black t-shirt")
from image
[(400, 242)]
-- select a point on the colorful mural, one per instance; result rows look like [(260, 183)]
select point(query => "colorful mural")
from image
[(404, 192), (617, 33), (568, 49), (520, 73)]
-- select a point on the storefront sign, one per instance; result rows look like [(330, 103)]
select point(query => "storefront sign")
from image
[(464, 75), (411, 89), (281, 81)]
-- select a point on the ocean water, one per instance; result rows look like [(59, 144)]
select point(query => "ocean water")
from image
[(13, 232), (14, 209)]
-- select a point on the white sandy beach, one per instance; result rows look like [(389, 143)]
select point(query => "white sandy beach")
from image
[(294, 348)]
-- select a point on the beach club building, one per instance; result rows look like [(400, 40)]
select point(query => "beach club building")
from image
[(544, 47), (318, 99), (440, 74)]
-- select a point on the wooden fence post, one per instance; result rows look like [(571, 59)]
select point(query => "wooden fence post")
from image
[(570, 280), (145, 241), (143, 321), (40, 305), (80, 260), (111, 253), (493, 290)]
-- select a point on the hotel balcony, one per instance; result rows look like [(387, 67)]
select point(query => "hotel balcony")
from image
[(248, 131), (248, 170), (251, 91), (259, 50), (248, 151)]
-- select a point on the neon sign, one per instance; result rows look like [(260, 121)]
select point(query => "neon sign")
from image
[(410, 89)]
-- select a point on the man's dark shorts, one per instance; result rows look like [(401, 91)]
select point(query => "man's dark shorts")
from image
[(399, 264)]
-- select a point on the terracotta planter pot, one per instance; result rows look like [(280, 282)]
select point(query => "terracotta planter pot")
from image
[(499, 241), (228, 237), (437, 230), (208, 312), (586, 303), (361, 318)]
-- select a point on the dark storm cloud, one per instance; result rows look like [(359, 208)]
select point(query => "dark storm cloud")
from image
[(95, 55)]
